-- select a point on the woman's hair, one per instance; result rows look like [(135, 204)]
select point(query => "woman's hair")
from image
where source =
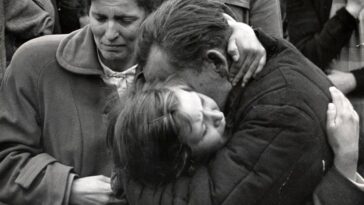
[(146, 141), (148, 5)]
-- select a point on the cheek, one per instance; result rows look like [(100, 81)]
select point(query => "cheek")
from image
[(131, 32), (98, 30)]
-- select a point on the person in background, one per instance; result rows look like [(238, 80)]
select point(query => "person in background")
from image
[(71, 14), (331, 34), (20, 21)]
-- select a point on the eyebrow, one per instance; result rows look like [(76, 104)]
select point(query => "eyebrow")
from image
[(95, 13)]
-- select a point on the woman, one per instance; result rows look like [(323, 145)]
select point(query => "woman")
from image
[(166, 129)]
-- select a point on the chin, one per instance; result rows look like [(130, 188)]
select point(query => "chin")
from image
[(114, 56)]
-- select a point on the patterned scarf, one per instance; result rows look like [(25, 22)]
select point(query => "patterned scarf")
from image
[(122, 80), (351, 56)]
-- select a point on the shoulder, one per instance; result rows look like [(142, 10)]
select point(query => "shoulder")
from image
[(32, 57), (36, 52), (287, 79)]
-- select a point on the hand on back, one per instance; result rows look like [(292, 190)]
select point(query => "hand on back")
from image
[(343, 133)]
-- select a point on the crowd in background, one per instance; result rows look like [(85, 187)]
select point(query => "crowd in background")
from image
[(23, 20)]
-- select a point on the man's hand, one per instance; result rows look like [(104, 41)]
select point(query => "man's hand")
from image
[(344, 81), (247, 52), (343, 133), (93, 190)]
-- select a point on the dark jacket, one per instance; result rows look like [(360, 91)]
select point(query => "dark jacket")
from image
[(52, 119), (319, 38), (69, 12), (278, 151)]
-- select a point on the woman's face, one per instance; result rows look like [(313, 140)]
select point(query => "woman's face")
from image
[(206, 121), (114, 24)]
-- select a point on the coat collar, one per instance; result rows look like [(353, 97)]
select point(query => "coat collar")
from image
[(77, 53)]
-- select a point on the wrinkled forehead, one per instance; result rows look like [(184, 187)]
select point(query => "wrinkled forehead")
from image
[(125, 5)]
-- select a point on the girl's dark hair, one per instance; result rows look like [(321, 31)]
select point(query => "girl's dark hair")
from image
[(146, 140)]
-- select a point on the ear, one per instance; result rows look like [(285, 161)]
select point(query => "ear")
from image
[(219, 61)]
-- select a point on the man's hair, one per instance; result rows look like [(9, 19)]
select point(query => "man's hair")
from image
[(184, 30), (148, 5), (146, 143)]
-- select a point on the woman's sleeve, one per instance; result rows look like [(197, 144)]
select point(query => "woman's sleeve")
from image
[(28, 174), (318, 41)]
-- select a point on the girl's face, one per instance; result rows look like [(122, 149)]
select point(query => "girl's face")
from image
[(206, 121)]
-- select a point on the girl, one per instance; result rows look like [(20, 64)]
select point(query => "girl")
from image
[(165, 129)]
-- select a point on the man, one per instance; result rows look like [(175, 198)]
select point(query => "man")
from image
[(278, 151)]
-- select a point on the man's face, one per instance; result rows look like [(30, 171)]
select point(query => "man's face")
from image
[(207, 81), (114, 24)]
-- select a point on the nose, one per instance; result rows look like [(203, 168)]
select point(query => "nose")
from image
[(111, 31), (215, 117)]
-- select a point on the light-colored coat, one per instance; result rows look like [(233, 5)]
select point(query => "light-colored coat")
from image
[(53, 106)]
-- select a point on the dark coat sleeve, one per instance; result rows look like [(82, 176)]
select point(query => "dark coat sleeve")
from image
[(319, 40), (336, 189)]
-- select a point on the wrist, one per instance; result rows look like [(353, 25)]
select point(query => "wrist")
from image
[(346, 166), (353, 9)]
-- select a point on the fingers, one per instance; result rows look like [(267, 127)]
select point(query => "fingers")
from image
[(240, 70), (233, 50), (337, 98), (341, 102), (344, 109), (261, 64), (331, 115), (229, 19), (251, 70)]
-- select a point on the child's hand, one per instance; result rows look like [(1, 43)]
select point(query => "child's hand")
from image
[(247, 52)]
